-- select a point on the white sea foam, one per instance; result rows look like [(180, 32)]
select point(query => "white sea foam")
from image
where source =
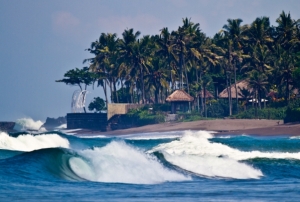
[(119, 162), (63, 126), (154, 136), (194, 152), (27, 124), (29, 142), (93, 136)]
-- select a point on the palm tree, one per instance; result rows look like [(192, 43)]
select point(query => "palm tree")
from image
[(129, 39), (235, 36), (259, 32), (181, 38), (79, 77), (258, 82), (106, 51), (166, 50), (286, 44)]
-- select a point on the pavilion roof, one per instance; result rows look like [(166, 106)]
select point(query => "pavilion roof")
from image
[(179, 96), (207, 94), (243, 84)]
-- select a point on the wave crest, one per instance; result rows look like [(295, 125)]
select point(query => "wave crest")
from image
[(29, 142), (28, 124), (195, 153), (121, 163)]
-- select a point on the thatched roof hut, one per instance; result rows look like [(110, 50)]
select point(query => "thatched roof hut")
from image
[(207, 94), (179, 96), (243, 84), (179, 101)]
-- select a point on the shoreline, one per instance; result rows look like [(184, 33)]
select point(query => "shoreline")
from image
[(258, 127)]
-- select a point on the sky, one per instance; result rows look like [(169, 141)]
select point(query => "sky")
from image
[(41, 40)]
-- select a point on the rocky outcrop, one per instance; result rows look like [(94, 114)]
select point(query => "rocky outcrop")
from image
[(7, 126), (52, 123)]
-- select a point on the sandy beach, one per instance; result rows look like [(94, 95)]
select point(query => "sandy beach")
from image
[(221, 126)]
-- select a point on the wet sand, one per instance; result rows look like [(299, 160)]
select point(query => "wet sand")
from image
[(221, 126)]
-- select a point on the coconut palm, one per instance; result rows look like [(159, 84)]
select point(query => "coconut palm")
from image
[(258, 82), (129, 38), (259, 32), (234, 34), (166, 50)]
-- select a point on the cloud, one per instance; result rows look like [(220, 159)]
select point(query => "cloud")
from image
[(64, 23)]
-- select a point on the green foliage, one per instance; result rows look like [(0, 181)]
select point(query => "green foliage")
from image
[(166, 107), (194, 116), (217, 109), (141, 117), (292, 115), (123, 96), (296, 77), (97, 104), (267, 113), (293, 112), (78, 77)]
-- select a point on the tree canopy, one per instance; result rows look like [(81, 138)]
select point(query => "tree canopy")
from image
[(146, 69)]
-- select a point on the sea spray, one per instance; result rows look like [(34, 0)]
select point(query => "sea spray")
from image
[(24, 124), (194, 152), (119, 162), (29, 142)]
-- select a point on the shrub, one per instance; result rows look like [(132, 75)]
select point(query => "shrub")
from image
[(292, 115), (194, 116), (141, 117), (266, 113), (97, 104)]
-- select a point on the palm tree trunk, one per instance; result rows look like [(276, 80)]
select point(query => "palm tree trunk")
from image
[(105, 91), (111, 93), (122, 87), (115, 90), (156, 94), (236, 92), (287, 90), (256, 104), (181, 68), (143, 86), (228, 93), (204, 95), (197, 79), (201, 93)]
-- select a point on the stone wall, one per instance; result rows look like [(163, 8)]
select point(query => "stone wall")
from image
[(120, 108), (93, 121)]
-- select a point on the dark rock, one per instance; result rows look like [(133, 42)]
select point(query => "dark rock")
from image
[(52, 123), (7, 126)]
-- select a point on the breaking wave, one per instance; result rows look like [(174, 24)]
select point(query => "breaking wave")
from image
[(195, 153), (119, 162), (29, 142), (24, 124)]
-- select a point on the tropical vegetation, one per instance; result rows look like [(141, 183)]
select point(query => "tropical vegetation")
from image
[(146, 69)]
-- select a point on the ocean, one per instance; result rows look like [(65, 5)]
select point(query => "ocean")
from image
[(169, 166)]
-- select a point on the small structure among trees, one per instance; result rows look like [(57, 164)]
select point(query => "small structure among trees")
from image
[(236, 90), (179, 99)]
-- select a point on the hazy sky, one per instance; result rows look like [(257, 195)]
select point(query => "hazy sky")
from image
[(41, 40)]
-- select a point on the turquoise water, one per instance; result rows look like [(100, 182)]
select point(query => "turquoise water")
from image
[(174, 166)]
